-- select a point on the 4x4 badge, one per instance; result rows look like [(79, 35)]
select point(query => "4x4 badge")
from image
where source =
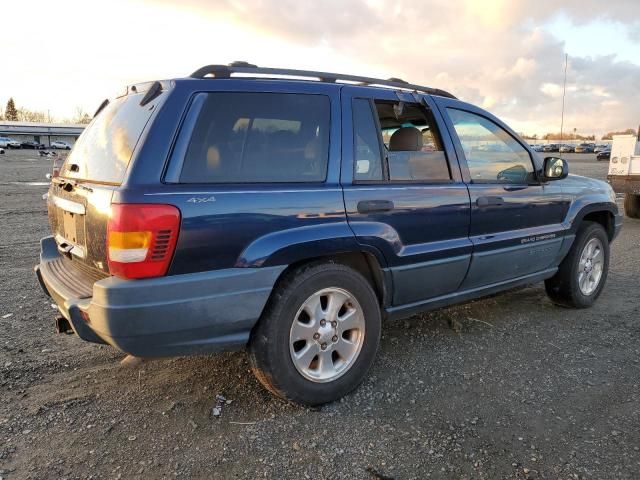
[(202, 199)]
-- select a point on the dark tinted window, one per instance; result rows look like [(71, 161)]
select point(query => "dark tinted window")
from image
[(103, 152), (492, 154), (259, 137), (415, 152), (368, 160)]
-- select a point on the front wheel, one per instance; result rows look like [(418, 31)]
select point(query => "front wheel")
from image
[(582, 274), (318, 336)]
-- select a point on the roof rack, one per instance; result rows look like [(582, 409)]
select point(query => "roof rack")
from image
[(225, 71)]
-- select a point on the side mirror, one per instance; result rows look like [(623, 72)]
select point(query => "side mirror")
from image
[(555, 168)]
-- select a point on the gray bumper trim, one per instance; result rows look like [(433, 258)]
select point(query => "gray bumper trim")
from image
[(617, 225), (175, 315)]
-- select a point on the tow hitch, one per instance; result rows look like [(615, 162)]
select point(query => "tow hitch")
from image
[(63, 326)]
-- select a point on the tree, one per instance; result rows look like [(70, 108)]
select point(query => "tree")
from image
[(609, 135), (81, 116), (26, 115), (11, 113)]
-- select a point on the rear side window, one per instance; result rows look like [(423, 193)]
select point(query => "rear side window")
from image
[(103, 152), (414, 149), (407, 135), (259, 137), (368, 160)]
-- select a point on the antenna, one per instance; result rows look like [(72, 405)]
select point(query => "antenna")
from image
[(564, 92)]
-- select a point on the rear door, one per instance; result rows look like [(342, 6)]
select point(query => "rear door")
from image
[(404, 193), (80, 197), (516, 220)]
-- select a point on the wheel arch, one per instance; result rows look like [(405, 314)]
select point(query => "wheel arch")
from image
[(365, 263), (603, 216)]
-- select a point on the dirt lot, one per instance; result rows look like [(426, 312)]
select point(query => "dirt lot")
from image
[(518, 389)]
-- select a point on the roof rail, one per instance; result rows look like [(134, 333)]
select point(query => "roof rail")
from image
[(225, 71)]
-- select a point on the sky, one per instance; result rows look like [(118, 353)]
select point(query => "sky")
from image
[(504, 55)]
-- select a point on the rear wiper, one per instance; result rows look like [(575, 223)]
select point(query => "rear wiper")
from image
[(68, 184), (63, 182)]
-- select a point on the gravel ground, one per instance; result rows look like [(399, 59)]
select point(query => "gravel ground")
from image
[(505, 387)]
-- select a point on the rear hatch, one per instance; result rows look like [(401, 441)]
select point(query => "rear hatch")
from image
[(79, 200)]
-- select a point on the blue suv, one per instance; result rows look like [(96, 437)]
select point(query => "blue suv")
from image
[(291, 212)]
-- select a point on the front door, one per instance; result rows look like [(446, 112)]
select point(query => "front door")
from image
[(515, 219), (403, 192)]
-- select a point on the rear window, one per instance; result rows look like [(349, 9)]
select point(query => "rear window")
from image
[(103, 152), (259, 137)]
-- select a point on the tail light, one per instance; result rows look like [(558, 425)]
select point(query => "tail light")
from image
[(141, 239)]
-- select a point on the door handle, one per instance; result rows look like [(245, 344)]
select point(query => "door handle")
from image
[(370, 206), (515, 188), (486, 201)]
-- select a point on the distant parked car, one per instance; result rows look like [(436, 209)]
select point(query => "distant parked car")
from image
[(536, 148), (566, 149), (604, 155), (585, 148), (601, 148), (552, 147), (32, 145), (60, 145), (7, 142)]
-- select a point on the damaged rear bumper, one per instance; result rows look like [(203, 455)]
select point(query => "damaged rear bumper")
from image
[(166, 316)]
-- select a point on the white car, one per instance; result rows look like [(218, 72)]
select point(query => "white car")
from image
[(60, 145), (7, 142)]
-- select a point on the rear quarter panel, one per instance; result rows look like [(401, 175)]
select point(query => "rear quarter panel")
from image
[(242, 225)]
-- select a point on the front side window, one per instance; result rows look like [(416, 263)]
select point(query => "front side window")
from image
[(492, 154), (259, 137)]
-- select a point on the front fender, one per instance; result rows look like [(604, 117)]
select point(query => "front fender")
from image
[(587, 196)]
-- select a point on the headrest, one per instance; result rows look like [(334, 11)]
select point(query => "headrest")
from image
[(406, 139)]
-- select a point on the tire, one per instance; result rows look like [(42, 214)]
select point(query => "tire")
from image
[(632, 205), (272, 349), (564, 288)]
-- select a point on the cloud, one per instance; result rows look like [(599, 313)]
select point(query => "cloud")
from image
[(495, 53), (505, 55)]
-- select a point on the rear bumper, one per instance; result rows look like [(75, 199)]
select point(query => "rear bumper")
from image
[(175, 315)]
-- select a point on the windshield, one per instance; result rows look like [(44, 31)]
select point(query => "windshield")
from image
[(104, 150)]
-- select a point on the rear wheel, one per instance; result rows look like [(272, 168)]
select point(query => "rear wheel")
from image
[(582, 274), (318, 336), (632, 205)]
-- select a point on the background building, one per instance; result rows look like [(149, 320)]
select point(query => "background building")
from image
[(41, 132)]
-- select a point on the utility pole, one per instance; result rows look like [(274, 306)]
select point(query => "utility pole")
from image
[(564, 92)]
